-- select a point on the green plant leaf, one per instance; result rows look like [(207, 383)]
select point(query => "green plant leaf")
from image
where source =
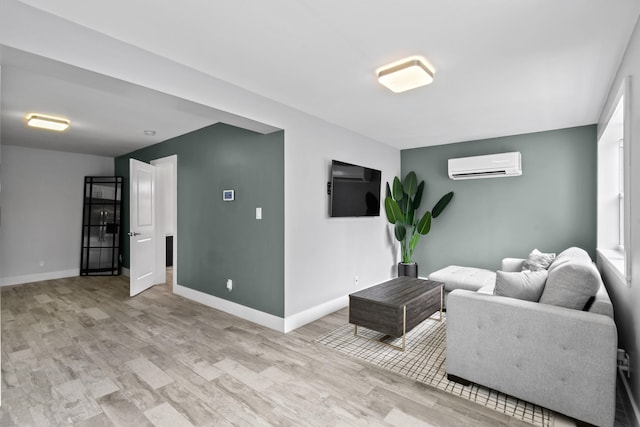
[(400, 232), (442, 203), (388, 191), (411, 211), (398, 194), (418, 198), (424, 225), (394, 214), (410, 184), (404, 207), (413, 243)]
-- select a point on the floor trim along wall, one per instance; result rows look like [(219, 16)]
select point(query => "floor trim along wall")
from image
[(28, 278), (314, 313), (261, 318), (247, 313)]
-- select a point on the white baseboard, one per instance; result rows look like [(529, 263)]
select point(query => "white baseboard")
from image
[(247, 313), (260, 317), (28, 278), (314, 313)]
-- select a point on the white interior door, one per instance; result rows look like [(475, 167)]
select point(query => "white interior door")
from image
[(142, 226)]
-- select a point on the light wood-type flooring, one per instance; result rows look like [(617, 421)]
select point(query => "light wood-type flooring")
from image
[(80, 351)]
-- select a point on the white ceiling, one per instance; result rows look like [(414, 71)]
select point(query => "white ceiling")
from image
[(109, 117), (502, 67)]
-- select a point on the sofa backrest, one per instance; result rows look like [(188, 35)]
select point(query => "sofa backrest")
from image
[(574, 282), (602, 303)]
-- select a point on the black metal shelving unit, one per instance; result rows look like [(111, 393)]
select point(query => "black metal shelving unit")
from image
[(100, 254)]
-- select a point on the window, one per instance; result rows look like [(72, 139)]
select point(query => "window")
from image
[(621, 193), (611, 192)]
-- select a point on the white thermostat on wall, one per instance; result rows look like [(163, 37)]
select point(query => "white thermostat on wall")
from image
[(228, 195)]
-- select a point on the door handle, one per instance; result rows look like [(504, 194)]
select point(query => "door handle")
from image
[(133, 233)]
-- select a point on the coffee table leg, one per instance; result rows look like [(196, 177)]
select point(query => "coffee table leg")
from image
[(441, 300), (404, 327)]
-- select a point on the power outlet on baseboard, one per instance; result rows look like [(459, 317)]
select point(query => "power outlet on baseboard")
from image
[(624, 363)]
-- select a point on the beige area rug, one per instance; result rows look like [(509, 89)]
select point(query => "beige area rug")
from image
[(424, 361)]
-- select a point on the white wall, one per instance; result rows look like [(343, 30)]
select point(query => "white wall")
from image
[(322, 255), (41, 203), (626, 300)]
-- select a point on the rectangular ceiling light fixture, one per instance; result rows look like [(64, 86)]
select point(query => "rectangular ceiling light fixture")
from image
[(47, 122), (405, 74)]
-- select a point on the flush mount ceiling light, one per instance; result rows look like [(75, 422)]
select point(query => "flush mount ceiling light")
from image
[(47, 122), (406, 74)]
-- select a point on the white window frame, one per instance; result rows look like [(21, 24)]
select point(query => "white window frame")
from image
[(614, 237), (621, 209)]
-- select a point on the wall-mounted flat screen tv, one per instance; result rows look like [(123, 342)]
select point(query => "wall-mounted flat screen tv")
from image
[(354, 190)]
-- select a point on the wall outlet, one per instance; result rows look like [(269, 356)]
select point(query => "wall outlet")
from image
[(258, 213), (624, 363), (41, 263), (229, 284)]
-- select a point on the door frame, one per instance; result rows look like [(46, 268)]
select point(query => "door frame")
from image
[(169, 163)]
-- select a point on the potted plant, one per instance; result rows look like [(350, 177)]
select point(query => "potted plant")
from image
[(401, 204)]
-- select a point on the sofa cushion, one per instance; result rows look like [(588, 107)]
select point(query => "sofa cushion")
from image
[(571, 284), (468, 278), (487, 289), (525, 285), (538, 261)]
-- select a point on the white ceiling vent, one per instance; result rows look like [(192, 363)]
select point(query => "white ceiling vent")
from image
[(489, 166)]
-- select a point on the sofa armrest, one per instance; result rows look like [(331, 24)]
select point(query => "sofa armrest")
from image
[(512, 264), (558, 358)]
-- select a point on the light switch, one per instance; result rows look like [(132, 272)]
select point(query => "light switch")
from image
[(258, 213)]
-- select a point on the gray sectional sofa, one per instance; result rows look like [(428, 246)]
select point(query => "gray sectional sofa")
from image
[(543, 352)]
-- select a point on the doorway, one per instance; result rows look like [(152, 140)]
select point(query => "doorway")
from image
[(166, 220)]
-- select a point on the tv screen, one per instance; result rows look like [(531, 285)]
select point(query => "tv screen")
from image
[(355, 190)]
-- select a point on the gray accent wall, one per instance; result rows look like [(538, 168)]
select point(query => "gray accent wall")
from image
[(550, 207), (220, 240)]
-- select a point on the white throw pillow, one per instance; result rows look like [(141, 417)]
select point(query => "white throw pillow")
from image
[(538, 261), (525, 285)]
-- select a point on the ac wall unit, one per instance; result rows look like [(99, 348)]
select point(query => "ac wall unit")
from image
[(489, 166)]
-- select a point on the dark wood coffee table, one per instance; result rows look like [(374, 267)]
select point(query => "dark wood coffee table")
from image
[(395, 307)]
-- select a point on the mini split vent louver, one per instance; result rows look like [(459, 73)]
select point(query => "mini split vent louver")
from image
[(489, 166)]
